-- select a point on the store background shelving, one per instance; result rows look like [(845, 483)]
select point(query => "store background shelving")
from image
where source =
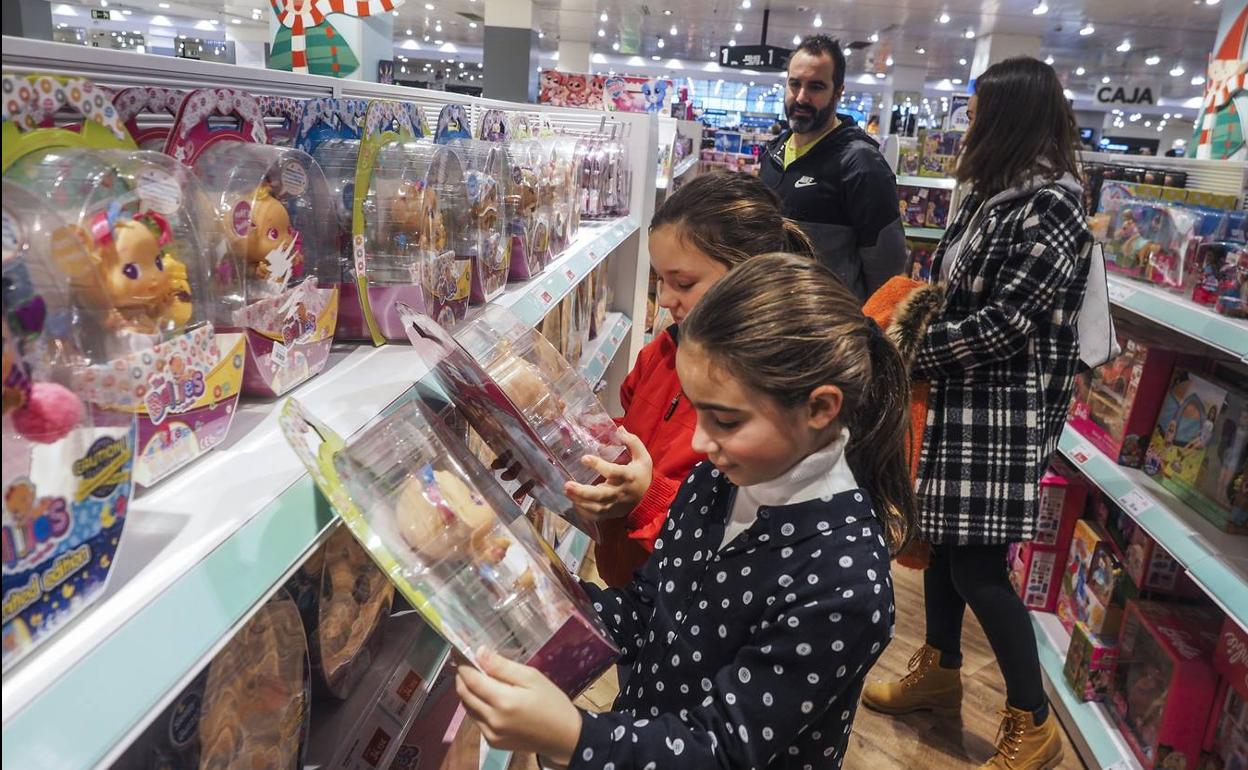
[(203, 550)]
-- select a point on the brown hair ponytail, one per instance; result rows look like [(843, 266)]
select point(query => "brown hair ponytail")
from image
[(785, 325), (731, 217)]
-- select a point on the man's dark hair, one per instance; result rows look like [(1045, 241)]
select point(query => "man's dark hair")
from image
[(820, 45), (1023, 126)]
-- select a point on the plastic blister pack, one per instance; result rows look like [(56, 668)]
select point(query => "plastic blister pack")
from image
[(485, 168), (58, 542), (136, 108), (278, 279), (455, 545), (558, 189), (528, 219)]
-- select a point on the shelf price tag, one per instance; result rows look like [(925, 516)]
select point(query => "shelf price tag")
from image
[(1119, 293), (571, 274), (1135, 502), (546, 298), (1082, 454)]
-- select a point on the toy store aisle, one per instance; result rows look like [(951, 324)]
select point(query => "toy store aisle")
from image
[(884, 743)]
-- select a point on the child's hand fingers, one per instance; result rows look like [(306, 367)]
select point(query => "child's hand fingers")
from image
[(634, 445), (504, 670), (477, 709), (488, 690), (610, 471), (599, 493)]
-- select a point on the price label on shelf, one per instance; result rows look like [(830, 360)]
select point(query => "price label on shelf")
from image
[(278, 356), (571, 274), (1120, 293), (546, 298), (1135, 502), (1081, 454), (602, 358)]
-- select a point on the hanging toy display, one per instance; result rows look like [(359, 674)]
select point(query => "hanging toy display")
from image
[(528, 219), (485, 169), (194, 129), (403, 204), (278, 283), (452, 124), (558, 191), (453, 542), (495, 126), (282, 116), (143, 280), (136, 107), (58, 542), (326, 118)]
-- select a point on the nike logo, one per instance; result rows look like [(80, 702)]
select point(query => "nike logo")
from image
[(805, 181)]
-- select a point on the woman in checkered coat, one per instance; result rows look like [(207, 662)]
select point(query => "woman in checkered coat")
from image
[(1001, 358)]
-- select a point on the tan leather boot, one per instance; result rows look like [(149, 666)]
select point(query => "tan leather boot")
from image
[(1023, 746), (927, 687)]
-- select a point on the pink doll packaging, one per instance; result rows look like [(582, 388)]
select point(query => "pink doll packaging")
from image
[(453, 542), (528, 222), (1063, 494), (1093, 585), (1226, 740), (1220, 267), (1186, 422), (282, 116), (1090, 662), (1036, 566), (485, 167), (67, 466), (1034, 572), (136, 107), (1115, 405), (1164, 683)]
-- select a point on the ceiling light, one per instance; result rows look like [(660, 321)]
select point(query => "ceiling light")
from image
[(163, 6), (1177, 71), (1041, 9), (673, 31), (745, 4), (1148, 124), (1212, 2), (738, 27), (426, 38), (1068, 93), (818, 22), (969, 34), (1080, 71), (437, 27), (920, 50), (797, 40), (615, 46), (409, 32), (103, 3), (428, 6), (888, 62), (955, 81), (732, 42), (540, 35), (126, 11), (962, 62), (602, 32), (656, 57), (1124, 46), (667, 11), (943, 18), (1178, 116), (1105, 80), (661, 43), (1049, 60), (1198, 80), (881, 75), (1087, 29), (236, 21), (1153, 60), (603, 17)]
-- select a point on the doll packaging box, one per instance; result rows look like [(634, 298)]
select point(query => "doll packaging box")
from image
[(275, 281), (1219, 491), (1186, 425), (453, 542), (1034, 572), (485, 166), (143, 279), (1093, 585), (1226, 740), (1115, 405), (1164, 683), (1036, 565), (1090, 662), (1063, 495), (67, 466)]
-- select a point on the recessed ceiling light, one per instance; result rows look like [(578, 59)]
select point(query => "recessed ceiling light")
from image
[(1198, 80), (962, 62), (875, 37), (1106, 80), (818, 22), (1049, 60), (1068, 93), (661, 43), (1124, 46), (472, 24), (1177, 71), (540, 35), (745, 4), (603, 17), (881, 75), (409, 32), (1153, 60), (969, 34), (944, 17), (667, 11), (656, 57), (920, 50), (615, 46), (602, 32), (1212, 2), (673, 31), (163, 6), (955, 81), (236, 21), (738, 27), (1080, 71), (888, 62), (1087, 29), (732, 42), (1148, 124), (797, 40), (428, 6), (1041, 9)]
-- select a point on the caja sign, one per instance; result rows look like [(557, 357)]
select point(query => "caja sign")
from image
[(1128, 93)]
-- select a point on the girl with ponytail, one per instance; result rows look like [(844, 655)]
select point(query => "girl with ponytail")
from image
[(747, 636), (703, 231)]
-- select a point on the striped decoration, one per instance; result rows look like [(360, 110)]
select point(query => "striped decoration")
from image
[(310, 15)]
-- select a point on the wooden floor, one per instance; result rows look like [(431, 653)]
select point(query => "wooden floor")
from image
[(878, 742)]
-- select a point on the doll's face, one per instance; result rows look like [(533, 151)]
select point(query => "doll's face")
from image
[(133, 269), (270, 229)]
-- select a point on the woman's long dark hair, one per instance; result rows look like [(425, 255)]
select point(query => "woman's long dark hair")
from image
[(1023, 127)]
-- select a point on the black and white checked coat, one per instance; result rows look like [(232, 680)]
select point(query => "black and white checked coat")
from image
[(1001, 359)]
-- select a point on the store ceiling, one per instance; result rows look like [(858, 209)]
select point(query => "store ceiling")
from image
[(1174, 35)]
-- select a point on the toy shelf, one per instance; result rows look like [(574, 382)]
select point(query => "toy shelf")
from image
[(1216, 561), (1090, 726), (926, 233), (601, 351), (935, 182), (1228, 336)]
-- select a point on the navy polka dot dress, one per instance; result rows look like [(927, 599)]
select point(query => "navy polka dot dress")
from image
[(752, 656)]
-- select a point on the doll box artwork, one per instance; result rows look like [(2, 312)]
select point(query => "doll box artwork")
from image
[(1062, 496), (1226, 741), (277, 281), (1219, 492), (1115, 405), (453, 542), (66, 476), (1164, 683), (523, 398), (1090, 662), (1185, 430), (1093, 585)]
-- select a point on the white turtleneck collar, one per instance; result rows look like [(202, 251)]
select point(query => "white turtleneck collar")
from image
[(820, 474)]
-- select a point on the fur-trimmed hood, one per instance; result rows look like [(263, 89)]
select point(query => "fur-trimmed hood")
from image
[(903, 307)]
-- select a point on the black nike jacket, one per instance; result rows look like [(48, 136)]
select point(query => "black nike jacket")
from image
[(844, 195)]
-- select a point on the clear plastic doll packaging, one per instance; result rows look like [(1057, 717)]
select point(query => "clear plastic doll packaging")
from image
[(256, 698), (554, 398), (278, 278), (344, 600), (527, 220), (59, 543), (136, 106), (455, 542), (144, 288), (559, 189), (485, 166)]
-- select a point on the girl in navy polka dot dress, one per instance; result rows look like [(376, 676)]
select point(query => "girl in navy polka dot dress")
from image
[(749, 631)]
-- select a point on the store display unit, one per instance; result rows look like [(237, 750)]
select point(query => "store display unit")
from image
[(225, 533)]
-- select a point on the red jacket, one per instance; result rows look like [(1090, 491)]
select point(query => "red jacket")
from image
[(657, 413)]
